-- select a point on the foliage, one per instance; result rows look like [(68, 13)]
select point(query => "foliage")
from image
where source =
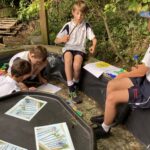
[(120, 31), (28, 10), (6, 3)]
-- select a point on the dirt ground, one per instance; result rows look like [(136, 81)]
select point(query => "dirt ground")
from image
[(121, 139)]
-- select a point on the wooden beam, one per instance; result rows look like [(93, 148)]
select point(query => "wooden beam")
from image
[(44, 23)]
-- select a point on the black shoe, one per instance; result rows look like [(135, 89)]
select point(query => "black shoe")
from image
[(97, 119), (76, 86), (73, 96), (100, 133)]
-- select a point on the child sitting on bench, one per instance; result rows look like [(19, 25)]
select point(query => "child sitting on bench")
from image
[(129, 87)]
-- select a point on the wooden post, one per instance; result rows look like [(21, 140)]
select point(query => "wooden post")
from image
[(1, 39), (44, 23)]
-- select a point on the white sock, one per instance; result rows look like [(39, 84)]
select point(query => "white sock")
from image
[(105, 127), (70, 83), (75, 81)]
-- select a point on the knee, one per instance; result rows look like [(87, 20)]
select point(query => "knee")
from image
[(76, 67), (110, 99), (68, 61), (110, 85)]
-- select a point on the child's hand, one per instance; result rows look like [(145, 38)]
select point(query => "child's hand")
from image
[(92, 49), (43, 80), (65, 38), (32, 89)]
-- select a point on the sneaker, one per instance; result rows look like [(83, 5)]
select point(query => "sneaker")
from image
[(100, 133), (97, 119), (76, 86), (75, 97)]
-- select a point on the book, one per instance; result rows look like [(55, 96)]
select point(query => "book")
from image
[(48, 88), (26, 108), (8, 146), (53, 137)]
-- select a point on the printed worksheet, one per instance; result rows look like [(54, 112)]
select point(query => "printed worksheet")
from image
[(26, 108), (53, 137), (8, 146)]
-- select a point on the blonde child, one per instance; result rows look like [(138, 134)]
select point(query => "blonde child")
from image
[(74, 35)]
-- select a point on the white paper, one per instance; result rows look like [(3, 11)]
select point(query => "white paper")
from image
[(98, 68), (8, 146), (26, 108), (51, 137), (49, 88)]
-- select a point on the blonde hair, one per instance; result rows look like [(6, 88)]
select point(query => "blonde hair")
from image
[(81, 5)]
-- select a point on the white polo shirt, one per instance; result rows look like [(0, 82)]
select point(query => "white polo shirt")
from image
[(78, 37), (8, 85), (22, 55), (146, 61)]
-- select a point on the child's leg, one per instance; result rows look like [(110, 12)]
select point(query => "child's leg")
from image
[(68, 61), (114, 98), (118, 84), (78, 60)]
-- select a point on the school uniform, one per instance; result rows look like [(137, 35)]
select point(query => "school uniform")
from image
[(8, 85), (139, 94), (78, 35), (23, 55)]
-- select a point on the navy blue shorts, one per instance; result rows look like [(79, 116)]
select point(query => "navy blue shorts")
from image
[(136, 97), (75, 52)]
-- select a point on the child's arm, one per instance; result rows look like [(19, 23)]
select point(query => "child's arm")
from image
[(42, 79), (22, 86), (64, 39), (92, 48), (138, 71)]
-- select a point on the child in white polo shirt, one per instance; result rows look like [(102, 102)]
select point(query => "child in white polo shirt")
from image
[(74, 35), (20, 70), (37, 56), (130, 87)]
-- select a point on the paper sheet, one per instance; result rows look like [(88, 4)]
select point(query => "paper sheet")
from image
[(26, 108), (48, 88), (98, 68), (55, 136), (8, 146)]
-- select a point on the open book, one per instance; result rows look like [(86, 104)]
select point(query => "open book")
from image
[(53, 137)]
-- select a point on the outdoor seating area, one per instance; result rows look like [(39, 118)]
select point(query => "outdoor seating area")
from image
[(74, 75)]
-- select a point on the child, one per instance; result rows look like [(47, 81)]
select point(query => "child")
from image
[(20, 70), (129, 87), (74, 34), (37, 56)]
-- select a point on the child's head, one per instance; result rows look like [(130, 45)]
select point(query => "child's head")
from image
[(38, 55), (21, 69), (79, 10)]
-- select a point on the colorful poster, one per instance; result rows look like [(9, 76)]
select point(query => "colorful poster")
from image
[(98, 68)]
